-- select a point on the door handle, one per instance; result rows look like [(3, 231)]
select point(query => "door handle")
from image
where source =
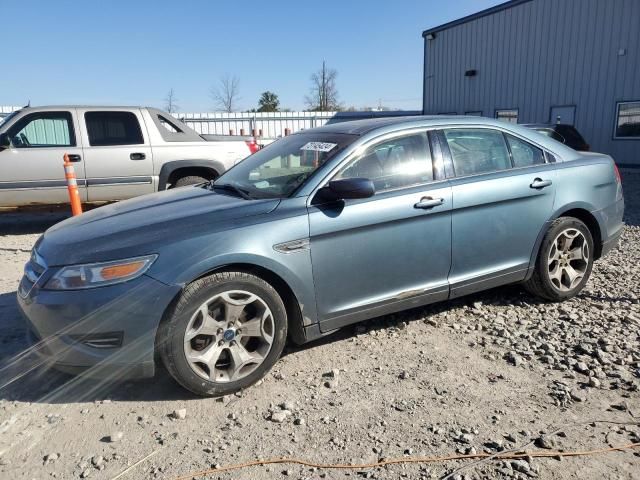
[(74, 157), (428, 202), (137, 156), (539, 183)]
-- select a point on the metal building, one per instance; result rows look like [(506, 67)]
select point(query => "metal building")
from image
[(552, 61)]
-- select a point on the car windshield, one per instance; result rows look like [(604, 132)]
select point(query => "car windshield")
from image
[(282, 167), (550, 133)]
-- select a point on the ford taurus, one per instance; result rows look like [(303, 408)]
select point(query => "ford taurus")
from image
[(318, 230)]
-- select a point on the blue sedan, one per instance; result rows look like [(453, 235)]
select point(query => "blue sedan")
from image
[(318, 230)]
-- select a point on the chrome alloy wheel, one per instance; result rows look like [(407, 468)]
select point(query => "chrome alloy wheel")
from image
[(229, 336), (568, 259)]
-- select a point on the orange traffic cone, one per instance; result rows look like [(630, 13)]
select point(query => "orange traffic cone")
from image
[(72, 186)]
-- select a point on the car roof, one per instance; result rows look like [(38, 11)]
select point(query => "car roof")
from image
[(547, 125), (362, 127), (93, 107)]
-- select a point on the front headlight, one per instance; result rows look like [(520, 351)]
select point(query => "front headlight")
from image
[(99, 274)]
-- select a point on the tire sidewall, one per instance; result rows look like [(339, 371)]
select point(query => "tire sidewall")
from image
[(173, 348), (554, 231)]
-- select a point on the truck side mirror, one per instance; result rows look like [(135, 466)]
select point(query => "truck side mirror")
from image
[(5, 141)]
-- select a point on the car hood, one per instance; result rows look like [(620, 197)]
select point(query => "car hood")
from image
[(144, 224)]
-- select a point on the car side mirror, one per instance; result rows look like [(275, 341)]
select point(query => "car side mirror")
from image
[(347, 188), (5, 141)]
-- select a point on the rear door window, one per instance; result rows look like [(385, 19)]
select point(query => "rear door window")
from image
[(476, 151), (43, 129), (113, 128), (523, 153)]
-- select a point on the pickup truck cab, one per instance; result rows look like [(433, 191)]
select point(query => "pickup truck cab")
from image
[(119, 153)]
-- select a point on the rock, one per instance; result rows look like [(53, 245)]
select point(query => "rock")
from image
[(116, 437), (97, 460), (299, 421), (51, 457), (85, 473), (403, 375), (521, 466), (287, 405), (179, 414), (594, 382), (280, 416), (577, 396), (332, 374), (544, 441), (582, 367)]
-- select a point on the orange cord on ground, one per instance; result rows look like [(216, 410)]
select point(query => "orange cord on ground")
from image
[(393, 461)]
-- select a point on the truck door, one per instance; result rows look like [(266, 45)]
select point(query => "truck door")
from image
[(31, 168), (117, 153)]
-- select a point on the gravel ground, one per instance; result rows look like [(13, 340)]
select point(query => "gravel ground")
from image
[(487, 373)]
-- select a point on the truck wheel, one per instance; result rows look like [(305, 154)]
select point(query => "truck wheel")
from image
[(224, 333), (564, 262), (189, 180)]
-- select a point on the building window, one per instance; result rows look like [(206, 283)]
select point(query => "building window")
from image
[(473, 114), (510, 116), (627, 120)]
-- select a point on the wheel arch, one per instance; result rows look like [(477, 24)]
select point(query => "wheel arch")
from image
[(295, 323), (293, 306), (169, 170), (582, 212)]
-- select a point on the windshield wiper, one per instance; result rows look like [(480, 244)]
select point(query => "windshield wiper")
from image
[(232, 188)]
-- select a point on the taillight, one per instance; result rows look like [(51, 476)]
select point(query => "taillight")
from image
[(253, 145), (617, 173)]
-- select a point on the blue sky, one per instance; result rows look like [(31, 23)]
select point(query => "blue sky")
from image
[(133, 52)]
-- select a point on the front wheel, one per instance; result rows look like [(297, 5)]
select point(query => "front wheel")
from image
[(224, 334), (564, 262)]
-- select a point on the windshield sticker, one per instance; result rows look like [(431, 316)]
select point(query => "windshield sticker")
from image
[(319, 146)]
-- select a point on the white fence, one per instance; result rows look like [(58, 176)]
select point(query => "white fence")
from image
[(267, 125), (271, 125)]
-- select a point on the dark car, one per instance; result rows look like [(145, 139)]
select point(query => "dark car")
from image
[(567, 134)]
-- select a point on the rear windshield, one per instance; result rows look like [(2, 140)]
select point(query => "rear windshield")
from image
[(7, 118), (282, 167)]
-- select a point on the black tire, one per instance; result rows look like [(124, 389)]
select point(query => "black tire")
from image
[(189, 180), (170, 342), (540, 283)]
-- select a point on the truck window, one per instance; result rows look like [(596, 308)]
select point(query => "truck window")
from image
[(113, 128), (43, 129)]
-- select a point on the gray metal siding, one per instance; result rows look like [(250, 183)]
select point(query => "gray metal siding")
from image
[(538, 54)]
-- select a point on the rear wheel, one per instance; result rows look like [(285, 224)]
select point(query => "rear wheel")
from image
[(189, 180), (564, 262), (224, 334)]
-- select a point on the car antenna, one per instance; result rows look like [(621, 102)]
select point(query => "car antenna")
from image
[(28, 104)]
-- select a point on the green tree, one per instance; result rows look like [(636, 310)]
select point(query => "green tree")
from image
[(269, 102)]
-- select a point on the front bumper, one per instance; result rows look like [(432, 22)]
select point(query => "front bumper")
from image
[(105, 332)]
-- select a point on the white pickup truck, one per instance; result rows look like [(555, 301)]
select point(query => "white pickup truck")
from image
[(119, 152)]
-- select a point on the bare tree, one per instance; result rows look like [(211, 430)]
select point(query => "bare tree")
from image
[(323, 96), (226, 94), (170, 100)]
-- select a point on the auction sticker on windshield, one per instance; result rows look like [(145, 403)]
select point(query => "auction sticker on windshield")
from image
[(318, 146)]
